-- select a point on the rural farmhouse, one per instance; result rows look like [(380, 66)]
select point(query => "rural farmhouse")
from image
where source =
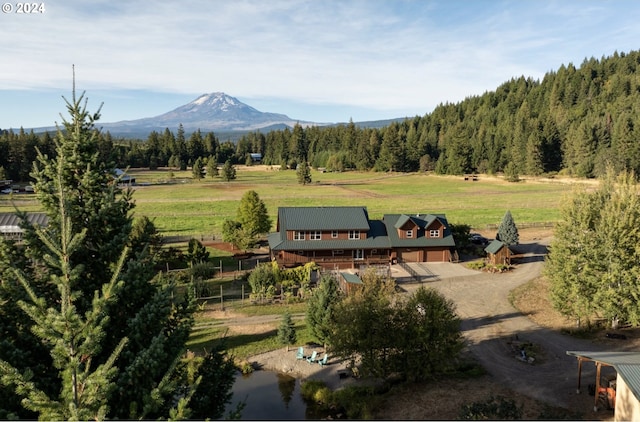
[(345, 237)]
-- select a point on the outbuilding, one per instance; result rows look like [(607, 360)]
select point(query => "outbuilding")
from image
[(10, 223), (498, 253)]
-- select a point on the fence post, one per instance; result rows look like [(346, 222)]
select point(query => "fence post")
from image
[(221, 299)]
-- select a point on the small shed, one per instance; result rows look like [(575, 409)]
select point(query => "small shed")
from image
[(498, 253), (349, 282)]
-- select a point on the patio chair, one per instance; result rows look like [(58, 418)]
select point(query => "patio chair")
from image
[(312, 358), (323, 361), (300, 354)]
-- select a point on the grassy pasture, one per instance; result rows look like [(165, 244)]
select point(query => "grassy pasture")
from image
[(188, 207)]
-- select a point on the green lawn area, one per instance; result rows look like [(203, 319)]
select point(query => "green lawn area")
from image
[(182, 206)]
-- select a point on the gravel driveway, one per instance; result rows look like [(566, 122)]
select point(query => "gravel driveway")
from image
[(493, 328)]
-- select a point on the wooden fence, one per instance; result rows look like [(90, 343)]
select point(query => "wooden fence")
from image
[(541, 225)]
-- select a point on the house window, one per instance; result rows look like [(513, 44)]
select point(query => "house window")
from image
[(315, 235), (354, 234), (434, 233), (358, 254), (409, 233), (297, 235), (334, 234)]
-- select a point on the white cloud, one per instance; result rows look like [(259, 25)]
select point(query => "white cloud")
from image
[(394, 55)]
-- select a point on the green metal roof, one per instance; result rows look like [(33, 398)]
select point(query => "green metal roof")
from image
[(323, 218), (351, 278), (626, 364), (423, 221), (494, 247), (381, 234)]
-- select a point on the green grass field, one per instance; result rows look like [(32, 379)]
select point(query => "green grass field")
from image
[(182, 206)]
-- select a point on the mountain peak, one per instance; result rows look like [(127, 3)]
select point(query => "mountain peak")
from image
[(213, 111), (217, 99)]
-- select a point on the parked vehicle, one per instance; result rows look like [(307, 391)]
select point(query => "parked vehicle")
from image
[(478, 239)]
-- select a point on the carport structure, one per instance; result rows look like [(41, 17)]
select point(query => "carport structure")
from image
[(627, 366)]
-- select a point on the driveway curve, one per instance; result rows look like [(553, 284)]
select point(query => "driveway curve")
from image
[(493, 328)]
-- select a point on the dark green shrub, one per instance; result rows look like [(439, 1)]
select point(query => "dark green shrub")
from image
[(495, 408)]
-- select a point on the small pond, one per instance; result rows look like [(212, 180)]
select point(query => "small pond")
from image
[(269, 396)]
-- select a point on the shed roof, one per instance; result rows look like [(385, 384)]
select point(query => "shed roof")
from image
[(494, 247), (351, 278), (10, 222), (626, 364)]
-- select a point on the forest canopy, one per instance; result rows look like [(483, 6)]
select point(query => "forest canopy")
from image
[(574, 121)]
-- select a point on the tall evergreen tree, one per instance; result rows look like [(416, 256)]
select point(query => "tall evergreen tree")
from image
[(198, 169), (508, 231), (287, 330), (303, 173), (96, 227), (321, 308), (228, 171)]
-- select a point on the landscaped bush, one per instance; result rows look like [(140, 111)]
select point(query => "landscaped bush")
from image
[(496, 408), (477, 265), (203, 270), (355, 402)]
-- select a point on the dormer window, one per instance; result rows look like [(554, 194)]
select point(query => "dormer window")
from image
[(334, 234), (298, 235), (354, 234), (409, 234), (434, 233), (315, 235)]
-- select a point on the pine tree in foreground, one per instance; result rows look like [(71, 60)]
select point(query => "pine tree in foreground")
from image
[(103, 281)]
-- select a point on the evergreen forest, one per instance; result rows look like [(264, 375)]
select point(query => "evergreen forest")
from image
[(575, 121)]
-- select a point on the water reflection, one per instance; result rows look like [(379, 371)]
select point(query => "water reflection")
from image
[(268, 396), (287, 386)]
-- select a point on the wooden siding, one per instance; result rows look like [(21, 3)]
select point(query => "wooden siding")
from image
[(436, 225), (326, 235), (503, 256)]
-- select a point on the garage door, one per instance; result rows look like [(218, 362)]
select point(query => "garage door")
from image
[(437, 255), (409, 256)]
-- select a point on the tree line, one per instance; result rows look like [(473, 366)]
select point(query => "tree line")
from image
[(573, 121)]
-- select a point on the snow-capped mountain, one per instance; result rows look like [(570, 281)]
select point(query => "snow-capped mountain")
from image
[(209, 112)]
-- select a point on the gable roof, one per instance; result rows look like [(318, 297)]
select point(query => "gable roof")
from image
[(323, 218), (351, 278), (494, 247), (395, 221)]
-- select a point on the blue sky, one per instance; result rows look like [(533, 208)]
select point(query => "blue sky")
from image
[(317, 60)]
